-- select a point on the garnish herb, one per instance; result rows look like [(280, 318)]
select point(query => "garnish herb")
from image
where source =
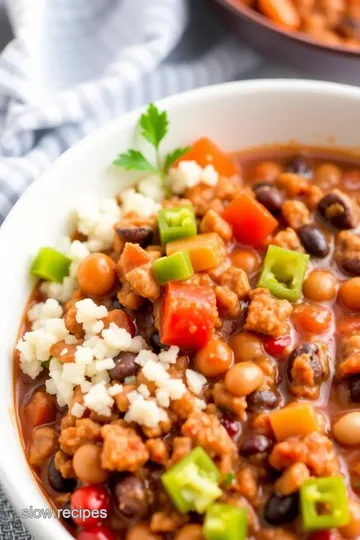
[(153, 127)]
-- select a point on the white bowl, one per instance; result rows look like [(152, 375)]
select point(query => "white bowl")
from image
[(235, 115)]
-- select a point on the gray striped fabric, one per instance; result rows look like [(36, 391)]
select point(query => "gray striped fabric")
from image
[(76, 64)]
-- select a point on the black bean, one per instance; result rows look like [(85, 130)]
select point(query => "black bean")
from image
[(57, 481), (124, 366), (338, 209), (115, 304), (156, 344), (354, 389), (270, 197), (259, 185), (314, 241), (136, 235), (280, 510), (131, 496), (261, 400), (299, 165), (313, 351), (255, 444)]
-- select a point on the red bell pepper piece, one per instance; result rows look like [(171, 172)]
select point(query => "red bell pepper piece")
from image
[(205, 152), (276, 346), (251, 222), (188, 315)]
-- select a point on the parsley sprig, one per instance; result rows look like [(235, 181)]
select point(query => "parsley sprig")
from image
[(154, 126)]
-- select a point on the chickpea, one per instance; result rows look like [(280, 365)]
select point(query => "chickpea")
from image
[(246, 259), (141, 531), (247, 347), (346, 429), (349, 293), (319, 286), (87, 464), (243, 379), (266, 171), (96, 274), (214, 359), (327, 176), (190, 532), (352, 529)]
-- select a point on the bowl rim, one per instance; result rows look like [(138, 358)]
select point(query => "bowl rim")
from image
[(236, 7), (220, 91)]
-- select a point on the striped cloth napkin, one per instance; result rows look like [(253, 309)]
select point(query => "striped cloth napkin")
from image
[(73, 65), (76, 64)]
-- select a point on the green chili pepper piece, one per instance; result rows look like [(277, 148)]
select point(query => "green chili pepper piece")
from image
[(192, 484), (176, 267), (51, 265), (283, 272), (225, 522), (323, 503), (176, 223)]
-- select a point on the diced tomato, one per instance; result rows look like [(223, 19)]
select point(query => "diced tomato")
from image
[(41, 409), (276, 346), (323, 535), (205, 152), (92, 504), (98, 533), (188, 315), (312, 319), (251, 222), (348, 325)]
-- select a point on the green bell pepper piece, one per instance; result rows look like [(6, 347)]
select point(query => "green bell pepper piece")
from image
[(51, 265), (175, 223), (193, 483), (283, 272), (323, 503), (225, 522), (176, 267)]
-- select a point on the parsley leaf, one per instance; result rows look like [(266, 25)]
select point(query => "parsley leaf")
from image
[(154, 125), (133, 159), (171, 157), (229, 478)]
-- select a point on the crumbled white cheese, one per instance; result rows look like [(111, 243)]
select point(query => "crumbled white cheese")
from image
[(98, 400), (144, 357), (88, 312), (151, 186), (175, 388), (162, 397), (78, 410), (136, 202), (200, 404), (154, 371), (102, 365), (144, 391), (115, 389), (144, 411), (169, 356), (97, 224), (189, 174), (117, 338), (195, 381)]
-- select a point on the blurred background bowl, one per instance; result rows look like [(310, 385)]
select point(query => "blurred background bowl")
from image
[(296, 49)]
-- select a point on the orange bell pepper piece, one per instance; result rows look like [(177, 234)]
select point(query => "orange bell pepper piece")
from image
[(205, 250), (205, 152), (292, 421), (251, 222)]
